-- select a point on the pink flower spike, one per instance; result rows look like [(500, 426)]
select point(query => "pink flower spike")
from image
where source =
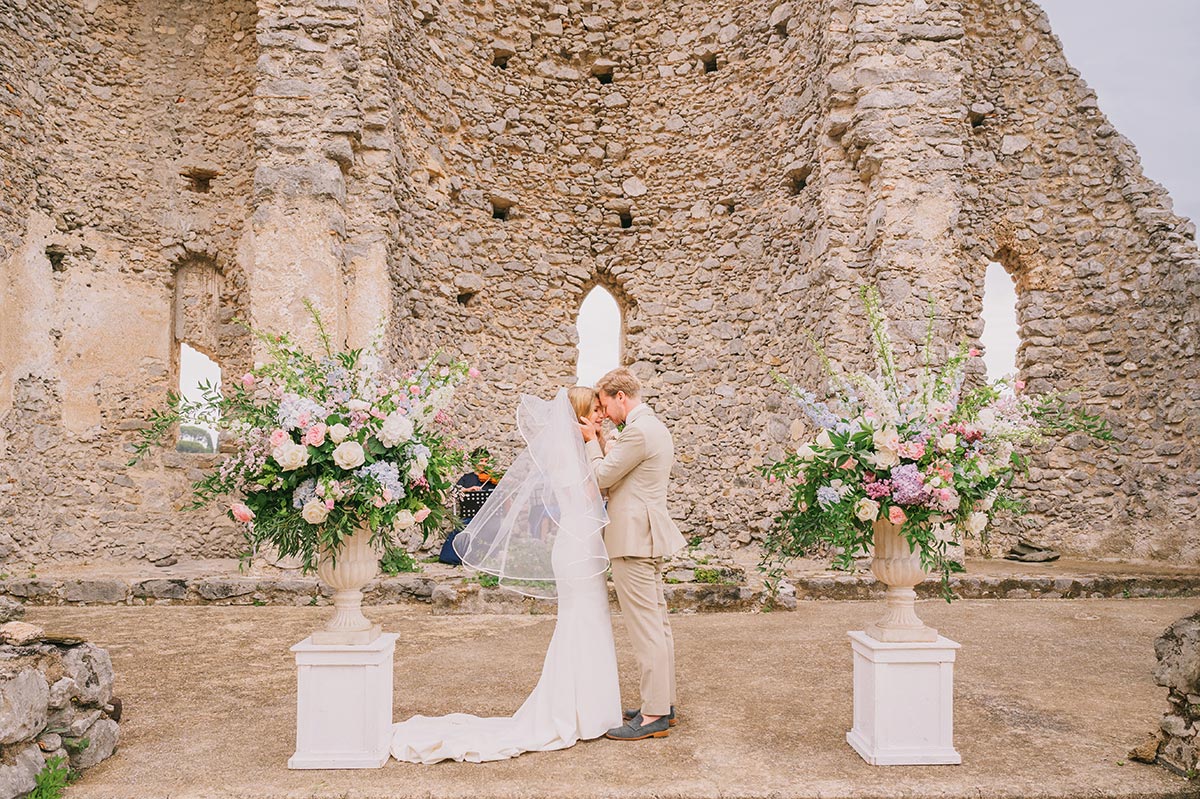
[(1019, 385), (473, 372), (414, 390), (896, 515), (248, 380), (974, 352), (329, 503)]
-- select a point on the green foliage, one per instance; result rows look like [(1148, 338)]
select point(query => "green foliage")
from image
[(710, 576), (488, 580), (76, 745), (397, 560), (53, 779)]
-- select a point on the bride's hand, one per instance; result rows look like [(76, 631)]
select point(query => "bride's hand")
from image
[(589, 429)]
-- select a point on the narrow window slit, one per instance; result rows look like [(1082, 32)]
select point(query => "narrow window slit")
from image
[(200, 179), (710, 63), (626, 219), (781, 30), (56, 254), (797, 179)]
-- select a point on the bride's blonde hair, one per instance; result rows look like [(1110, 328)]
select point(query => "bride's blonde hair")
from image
[(582, 398)]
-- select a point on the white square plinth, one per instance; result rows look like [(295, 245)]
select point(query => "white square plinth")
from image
[(903, 702), (343, 704)]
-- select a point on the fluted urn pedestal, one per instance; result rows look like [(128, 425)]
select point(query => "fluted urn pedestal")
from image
[(347, 571), (903, 670), (898, 567)]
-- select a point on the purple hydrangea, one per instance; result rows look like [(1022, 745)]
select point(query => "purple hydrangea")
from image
[(908, 487), (828, 495)]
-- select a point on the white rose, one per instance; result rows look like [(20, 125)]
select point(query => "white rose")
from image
[(349, 455), (887, 438), (884, 459), (290, 455), (987, 418), (404, 520), (986, 503), (824, 440), (397, 428), (338, 433), (314, 511), (416, 470), (947, 442), (976, 522), (358, 405), (867, 510), (806, 452)]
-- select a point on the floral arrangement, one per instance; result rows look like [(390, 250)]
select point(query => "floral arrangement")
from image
[(935, 458), (325, 445)]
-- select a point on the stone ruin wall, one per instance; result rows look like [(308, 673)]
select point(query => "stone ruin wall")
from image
[(362, 147), (108, 253), (1108, 286)]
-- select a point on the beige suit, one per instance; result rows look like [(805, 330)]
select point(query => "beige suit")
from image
[(640, 533)]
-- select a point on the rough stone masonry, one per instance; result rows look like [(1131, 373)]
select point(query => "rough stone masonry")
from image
[(466, 171)]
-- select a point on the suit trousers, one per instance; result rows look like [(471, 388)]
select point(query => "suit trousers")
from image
[(639, 587)]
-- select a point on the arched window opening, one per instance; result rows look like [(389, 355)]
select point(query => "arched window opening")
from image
[(599, 326), (1000, 337), (199, 376)]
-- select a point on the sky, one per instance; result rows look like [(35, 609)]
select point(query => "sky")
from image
[(1143, 61)]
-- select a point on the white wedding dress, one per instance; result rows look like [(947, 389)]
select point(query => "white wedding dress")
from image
[(577, 696)]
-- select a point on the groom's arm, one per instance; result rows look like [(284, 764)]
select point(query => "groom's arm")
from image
[(625, 453)]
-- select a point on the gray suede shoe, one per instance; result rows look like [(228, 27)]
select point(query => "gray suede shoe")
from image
[(634, 730), (631, 713)]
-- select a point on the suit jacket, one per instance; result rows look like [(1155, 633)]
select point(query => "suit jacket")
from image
[(636, 472)]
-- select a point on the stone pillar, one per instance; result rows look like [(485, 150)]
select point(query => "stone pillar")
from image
[(322, 198), (903, 136)]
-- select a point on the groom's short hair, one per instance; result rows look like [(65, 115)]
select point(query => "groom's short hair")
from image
[(620, 380)]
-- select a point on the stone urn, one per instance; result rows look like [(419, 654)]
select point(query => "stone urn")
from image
[(897, 566), (347, 570)]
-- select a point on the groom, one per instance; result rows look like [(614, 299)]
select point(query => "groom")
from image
[(639, 535)]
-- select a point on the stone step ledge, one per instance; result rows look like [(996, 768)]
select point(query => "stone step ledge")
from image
[(467, 596)]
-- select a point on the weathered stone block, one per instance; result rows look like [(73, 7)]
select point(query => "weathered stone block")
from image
[(91, 669), (101, 592), (102, 738), (23, 700)]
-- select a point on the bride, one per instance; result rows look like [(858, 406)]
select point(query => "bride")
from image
[(540, 533)]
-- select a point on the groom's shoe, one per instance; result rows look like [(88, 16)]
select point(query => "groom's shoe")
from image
[(635, 730), (631, 713)]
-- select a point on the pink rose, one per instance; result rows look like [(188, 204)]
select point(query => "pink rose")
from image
[(248, 380), (421, 515), (241, 512), (379, 502), (329, 504), (896, 515), (278, 437), (974, 352), (414, 390), (473, 372), (315, 435)]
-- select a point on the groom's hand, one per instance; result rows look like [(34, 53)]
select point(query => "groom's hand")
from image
[(588, 429)]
